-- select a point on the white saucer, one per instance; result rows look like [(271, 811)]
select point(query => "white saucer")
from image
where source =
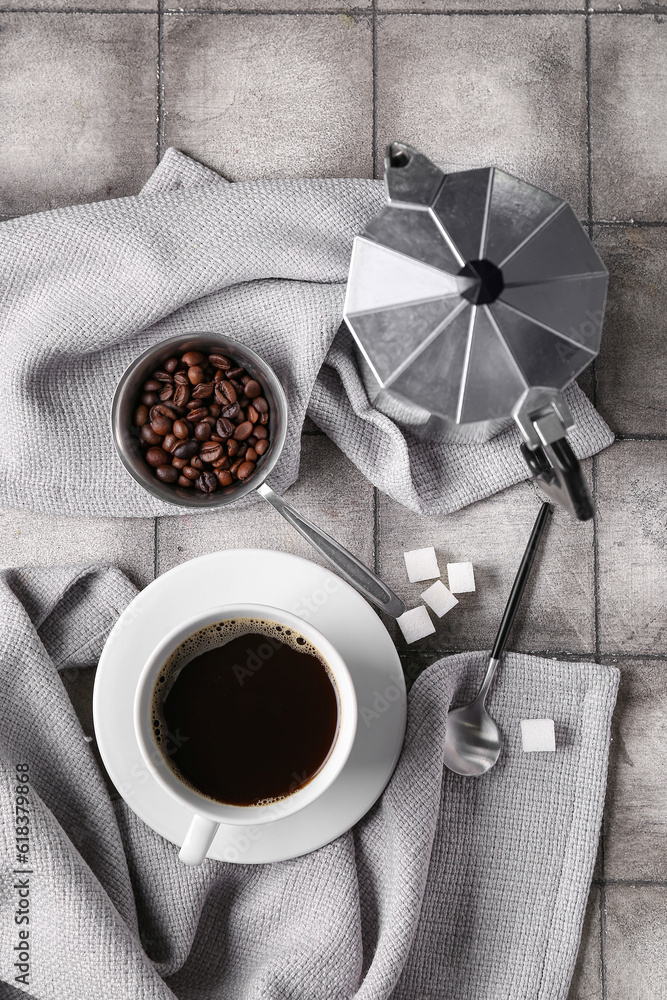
[(284, 581)]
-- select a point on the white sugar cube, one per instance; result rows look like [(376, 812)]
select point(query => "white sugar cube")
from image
[(461, 577), (439, 599), (421, 564), (537, 735), (416, 624)]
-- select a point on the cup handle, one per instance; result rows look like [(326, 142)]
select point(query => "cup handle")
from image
[(198, 839)]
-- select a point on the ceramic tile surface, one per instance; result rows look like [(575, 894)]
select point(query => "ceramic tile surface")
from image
[(88, 130), (571, 99), (273, 96), (477, 91), (628, 96)]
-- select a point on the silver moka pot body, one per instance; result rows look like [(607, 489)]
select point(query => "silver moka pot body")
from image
[(474, 298)]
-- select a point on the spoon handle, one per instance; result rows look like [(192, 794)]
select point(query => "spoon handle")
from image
[(520, 581), (350, 568)]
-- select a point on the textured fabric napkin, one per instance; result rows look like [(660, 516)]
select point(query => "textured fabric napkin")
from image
[(449, 888), (84, 290)]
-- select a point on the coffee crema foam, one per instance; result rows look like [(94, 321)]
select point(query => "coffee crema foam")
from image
[(215, 636)]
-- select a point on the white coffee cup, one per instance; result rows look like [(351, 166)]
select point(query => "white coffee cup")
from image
[(207, 813)]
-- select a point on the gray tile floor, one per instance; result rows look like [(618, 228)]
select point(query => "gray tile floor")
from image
[(569, 96)]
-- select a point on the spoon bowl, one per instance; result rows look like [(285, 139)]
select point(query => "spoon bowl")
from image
[(472, 740)]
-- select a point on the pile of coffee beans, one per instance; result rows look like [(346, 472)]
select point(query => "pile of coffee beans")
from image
[(203, 422)]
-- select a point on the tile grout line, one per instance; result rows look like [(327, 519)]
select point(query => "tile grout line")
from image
[(356, 11), (160, 82), (602, 901), (584, 656)]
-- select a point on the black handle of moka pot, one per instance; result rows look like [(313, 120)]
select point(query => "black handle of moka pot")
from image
[(557, 472)]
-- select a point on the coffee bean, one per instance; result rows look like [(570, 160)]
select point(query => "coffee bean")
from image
[(245, 470), (229, 391), (156, 457), (209, 451), (203, 390), (186, 449), (170, 443), (167, 473), (195, 416), (181, 395), (141, 415), (224, 428), (180, 435), (203, 431), (243, 431), (207, 482), (219, 361), (193, 358), (161, 410), (148, 435), (231, 411), (161, 425)]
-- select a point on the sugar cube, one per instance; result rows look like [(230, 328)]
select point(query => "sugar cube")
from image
[(421, 564), (537, 735), (416, 624), (461, 577), (439, 599)]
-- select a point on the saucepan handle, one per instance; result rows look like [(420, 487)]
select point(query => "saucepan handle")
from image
[(349, 567), (556, 470)]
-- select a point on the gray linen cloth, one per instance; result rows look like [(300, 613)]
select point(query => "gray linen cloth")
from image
[(84, 290), (449, 888)]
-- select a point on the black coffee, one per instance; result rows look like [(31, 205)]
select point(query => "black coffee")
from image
[(251, 717)]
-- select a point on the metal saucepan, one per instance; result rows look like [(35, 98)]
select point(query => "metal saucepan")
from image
[(127, 444)]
